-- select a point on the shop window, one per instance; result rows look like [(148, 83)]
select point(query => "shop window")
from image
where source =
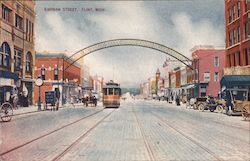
[(29, 62), (18, 59), (229, 60), (6, 13), (19, 22), (5, 55), (234, 59), (239, 61)]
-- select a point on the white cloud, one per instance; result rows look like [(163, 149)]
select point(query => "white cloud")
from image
[(130, 65), (59, 34), (192, 33)]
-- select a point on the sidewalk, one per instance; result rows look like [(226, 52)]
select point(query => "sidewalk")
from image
[(25, 110), (34, 108)]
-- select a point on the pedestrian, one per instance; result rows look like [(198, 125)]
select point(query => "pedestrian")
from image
[(57, 95), (177, 100)]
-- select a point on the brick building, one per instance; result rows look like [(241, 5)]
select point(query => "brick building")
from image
[(17, 20), (237, 27), (209, 64), (52, 68)]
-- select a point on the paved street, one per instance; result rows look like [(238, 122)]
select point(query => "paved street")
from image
[(138, 130)]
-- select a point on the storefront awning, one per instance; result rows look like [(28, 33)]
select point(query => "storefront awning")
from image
[(28, 80), (188, 86), (9, 75), (235, 80)]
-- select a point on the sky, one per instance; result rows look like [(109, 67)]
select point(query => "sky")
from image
[(178, 24)]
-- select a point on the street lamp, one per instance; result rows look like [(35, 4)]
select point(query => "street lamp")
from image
[(39, 83)]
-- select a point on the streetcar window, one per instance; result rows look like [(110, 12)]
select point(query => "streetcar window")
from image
[(110, 91), (117, 91)]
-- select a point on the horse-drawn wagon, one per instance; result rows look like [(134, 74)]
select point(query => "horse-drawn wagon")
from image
[(8, 101)]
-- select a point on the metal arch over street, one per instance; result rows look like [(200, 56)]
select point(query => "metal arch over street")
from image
[(131, 42)]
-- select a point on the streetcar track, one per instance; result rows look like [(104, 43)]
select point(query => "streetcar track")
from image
[(64, 152), (49, 133), (225, 134), (148, 147), (187, 137), (231, 126)]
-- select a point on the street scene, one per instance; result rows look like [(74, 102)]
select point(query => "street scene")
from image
[(125, 80), (138, 130)]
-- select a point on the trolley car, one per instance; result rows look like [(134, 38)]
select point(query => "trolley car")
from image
[(111, 94)]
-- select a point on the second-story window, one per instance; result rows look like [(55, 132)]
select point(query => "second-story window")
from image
[(5, 55), (19, 22), (238, 8), (216, 61), (230, 38), (206, 76), (239, 34), (18, 59), (246, 30), (245, 5), (234, 12), (216, 77), (235, 41), (29, 62), (246, 56), (229, 16), (43, 73), (56, 73), (6, 13)]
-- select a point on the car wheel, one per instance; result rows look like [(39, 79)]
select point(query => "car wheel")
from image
[(201, 107), (219, 108)]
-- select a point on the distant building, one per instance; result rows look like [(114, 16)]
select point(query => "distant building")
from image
[(85, 76), (53, 69), (98, 82), (209, 63), (152, 86), (144, 89), (17, 55)]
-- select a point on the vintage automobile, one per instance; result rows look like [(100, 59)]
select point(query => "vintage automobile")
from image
[(237, 102), (244, 106), (206, 103), (8, 101)]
